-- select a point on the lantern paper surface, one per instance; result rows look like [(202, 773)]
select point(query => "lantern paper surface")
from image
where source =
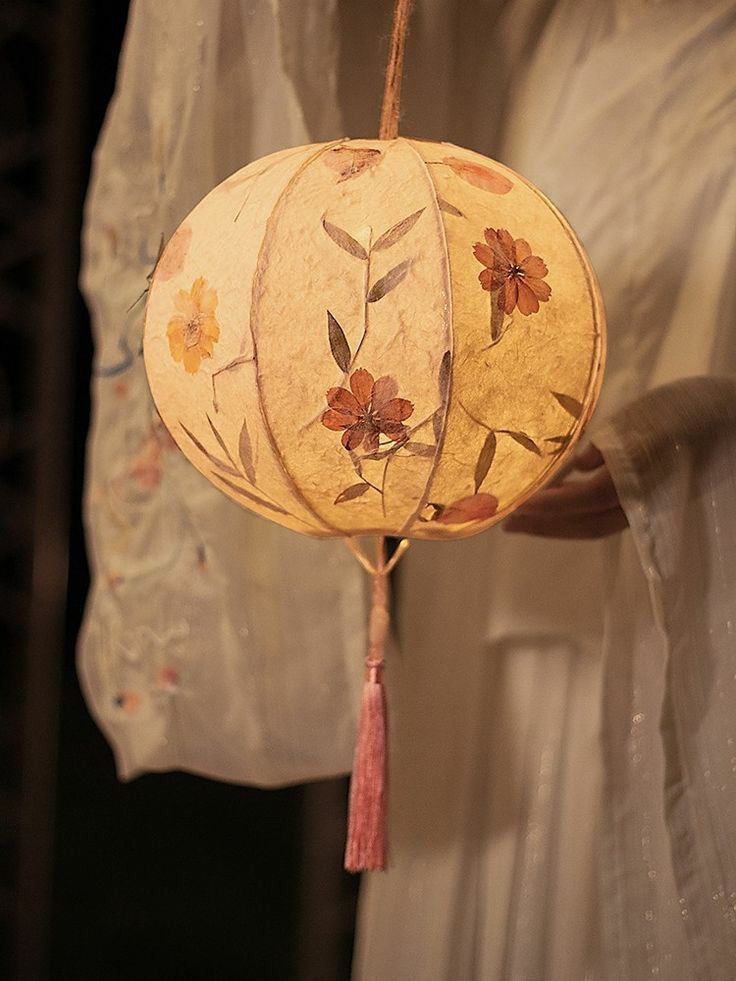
[(368, 337)]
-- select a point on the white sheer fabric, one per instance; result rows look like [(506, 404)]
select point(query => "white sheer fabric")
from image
[(214, 641), (533, 836), (670, 686)]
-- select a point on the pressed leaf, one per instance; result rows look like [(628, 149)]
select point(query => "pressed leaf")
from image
[(221, 441), (245, 451), (445, 366), (558, 443), (346, 242), (569, 404), (437, 420), (225, 467), (449, 209), (420, 449), (477, 507), (497, 314), (382, 454), (171, 259), (388, 282), (479, 176), (350, 493), (397, 231), (250, 497), (485, 460), (338, 343), (523, 440)]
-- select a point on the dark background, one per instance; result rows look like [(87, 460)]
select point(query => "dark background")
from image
[(170, 876)]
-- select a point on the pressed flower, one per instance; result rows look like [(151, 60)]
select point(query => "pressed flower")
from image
[(367, 411), (193, 331), (477, 507), (349, 162), (513, 271)]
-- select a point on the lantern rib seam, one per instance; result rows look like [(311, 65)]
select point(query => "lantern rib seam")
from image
[(257, 280), (448, 327)]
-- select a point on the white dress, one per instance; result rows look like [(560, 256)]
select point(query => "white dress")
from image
[(533, 836)]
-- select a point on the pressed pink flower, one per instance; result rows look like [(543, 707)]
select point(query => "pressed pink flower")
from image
[(368, 410), (513, 271), (477, 507)]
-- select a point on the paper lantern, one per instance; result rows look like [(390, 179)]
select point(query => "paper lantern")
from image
[(388, 338), (375, 337)]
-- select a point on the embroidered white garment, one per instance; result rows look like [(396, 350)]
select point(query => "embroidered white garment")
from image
[(533, 836), (213, 641)]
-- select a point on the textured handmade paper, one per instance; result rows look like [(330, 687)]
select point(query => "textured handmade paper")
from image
[(360, 337)]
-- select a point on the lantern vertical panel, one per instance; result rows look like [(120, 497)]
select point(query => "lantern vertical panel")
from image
[(212, 406), (524, 370), (352, 299)]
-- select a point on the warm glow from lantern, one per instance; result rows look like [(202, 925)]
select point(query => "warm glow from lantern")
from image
[(375, 337)]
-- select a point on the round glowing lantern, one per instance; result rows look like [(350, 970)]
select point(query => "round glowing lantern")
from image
[(375, 337)]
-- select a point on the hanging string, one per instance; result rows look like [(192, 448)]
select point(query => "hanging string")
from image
[(366, 845), (366, 562), (391, 108)]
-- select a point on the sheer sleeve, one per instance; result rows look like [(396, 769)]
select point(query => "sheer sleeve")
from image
[(669, 695), (213, 641)]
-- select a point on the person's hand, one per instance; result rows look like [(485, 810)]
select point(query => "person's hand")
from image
[(587, 508)]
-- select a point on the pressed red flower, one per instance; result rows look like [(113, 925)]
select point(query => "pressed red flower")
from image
[(370, 408), (477, 507), (513, 271)]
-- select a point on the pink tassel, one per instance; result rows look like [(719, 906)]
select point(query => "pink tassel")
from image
[(366, 844)]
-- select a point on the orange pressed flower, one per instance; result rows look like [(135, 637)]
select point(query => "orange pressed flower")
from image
[(367, 410), (513, 271), (193, 331)]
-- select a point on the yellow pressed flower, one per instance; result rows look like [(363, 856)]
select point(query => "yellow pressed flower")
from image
[(193, 331)]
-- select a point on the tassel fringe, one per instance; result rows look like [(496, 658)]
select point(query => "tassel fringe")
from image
[(366, 844)]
